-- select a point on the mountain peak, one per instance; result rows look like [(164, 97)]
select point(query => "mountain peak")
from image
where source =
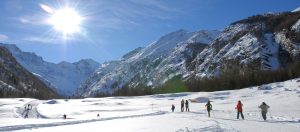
[(297, 9), (10, 46), (86, 61), (132, 53)]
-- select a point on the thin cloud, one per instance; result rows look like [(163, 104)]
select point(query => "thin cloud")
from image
[(47, 8), (34, 20), (3, 37), (123, 14), (113, 14), (50, 40), (40, 40), (158, 4)]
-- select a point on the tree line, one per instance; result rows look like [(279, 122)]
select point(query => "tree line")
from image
[(229, 80)]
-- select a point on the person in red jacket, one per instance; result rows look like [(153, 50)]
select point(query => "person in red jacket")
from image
[(239, 108)]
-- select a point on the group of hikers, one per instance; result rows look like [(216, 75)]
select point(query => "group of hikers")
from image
[(27, 108), (187, 109), (239, 107)]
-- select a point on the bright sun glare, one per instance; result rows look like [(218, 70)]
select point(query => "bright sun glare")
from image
[(66, 20)]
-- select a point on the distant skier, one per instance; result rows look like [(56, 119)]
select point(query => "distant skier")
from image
[(26, 114), (65, 116), (208, 107), (187, 109), (173, 107), (182, 105), (98, 115), (264, 109), (29, 107), (239, 108)]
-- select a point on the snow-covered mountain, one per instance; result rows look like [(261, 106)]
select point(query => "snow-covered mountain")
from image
[(152, 65), (268, 41), (16, 81), (262, 42), (65, 77)]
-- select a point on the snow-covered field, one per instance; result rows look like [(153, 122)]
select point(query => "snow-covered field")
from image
[(153, 113)]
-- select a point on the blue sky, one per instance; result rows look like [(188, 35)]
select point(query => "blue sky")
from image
[(111, 28)]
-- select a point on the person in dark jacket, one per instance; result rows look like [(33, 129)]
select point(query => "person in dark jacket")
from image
[(208, 107), (182, 105), (173, 107), (239, 108), (29, 107), (187, 109), (264, 109)]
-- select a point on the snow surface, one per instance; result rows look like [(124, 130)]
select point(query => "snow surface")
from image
[(152, 113)]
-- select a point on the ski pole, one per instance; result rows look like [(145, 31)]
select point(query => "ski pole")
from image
[(213, 113), (270, 115)]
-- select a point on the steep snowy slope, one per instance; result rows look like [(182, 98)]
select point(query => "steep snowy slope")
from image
[(266, 41), (64, 76), (16, 81), (143, 65)]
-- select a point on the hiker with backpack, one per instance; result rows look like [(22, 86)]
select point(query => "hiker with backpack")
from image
[(208, 107), (187, 109), (264, 109), (173, 107), (239, 108), (182, 105)]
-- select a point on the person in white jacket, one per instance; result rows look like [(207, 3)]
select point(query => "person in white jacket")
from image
[(264, 109)]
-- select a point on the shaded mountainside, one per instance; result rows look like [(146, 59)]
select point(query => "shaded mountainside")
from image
[(151, 66), (16, 81), (63, 77)]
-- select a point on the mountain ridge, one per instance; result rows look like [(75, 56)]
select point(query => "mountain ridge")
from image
[(261, 42), (131, 70), (64, 77), (16, 81)]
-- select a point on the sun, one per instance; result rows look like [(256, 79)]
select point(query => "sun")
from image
[(66, 20)]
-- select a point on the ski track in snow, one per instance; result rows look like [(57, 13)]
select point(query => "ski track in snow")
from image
[(30, 126), (32, 113)]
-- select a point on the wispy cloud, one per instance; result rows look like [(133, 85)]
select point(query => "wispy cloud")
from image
[(3, 37), (121, 14), (32, 19), (40, 40), (51, 40), (112, 14)]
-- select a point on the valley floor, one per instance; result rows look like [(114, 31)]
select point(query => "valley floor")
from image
[(153, 113)]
